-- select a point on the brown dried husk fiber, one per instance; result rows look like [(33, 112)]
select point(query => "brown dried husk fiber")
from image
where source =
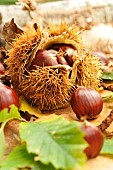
[(50, 87)]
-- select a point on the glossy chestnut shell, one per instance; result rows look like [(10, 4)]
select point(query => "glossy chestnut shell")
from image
[(8, 96), (86, 102), (94, 138), (68, 51), (43, 58)]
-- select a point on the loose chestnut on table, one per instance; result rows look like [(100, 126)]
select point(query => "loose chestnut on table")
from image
[(94, 138), (86, 102)]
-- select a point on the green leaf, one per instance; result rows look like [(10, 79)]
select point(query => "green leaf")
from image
[(40, 166), (107, 75), (107, 147), (2, 142), (108, 98), (5, 116), (7, 2), (20, 158), (12, 114), (56, 141)]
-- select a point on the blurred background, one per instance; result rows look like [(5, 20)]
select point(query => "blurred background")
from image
[(93, 17)]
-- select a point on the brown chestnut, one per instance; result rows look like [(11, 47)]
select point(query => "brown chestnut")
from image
[(94, 138), (43, 58), (61, 60), (68, 51), (8, 96), (52, 51), (86, 102)]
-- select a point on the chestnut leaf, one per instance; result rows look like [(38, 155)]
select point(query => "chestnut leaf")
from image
[(107, 75), (107, 147), (7, 2), (56, 141), (108, 98), (23, 160), (32, 110), (12, 114), (5, 116), (2, 142)]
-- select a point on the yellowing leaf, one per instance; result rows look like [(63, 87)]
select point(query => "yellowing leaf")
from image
[(25, 106)]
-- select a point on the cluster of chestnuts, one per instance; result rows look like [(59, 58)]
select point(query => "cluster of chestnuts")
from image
[(58, 54), (61, 54)]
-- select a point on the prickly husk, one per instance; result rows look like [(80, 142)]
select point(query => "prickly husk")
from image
[(88, 71), (50, 87)]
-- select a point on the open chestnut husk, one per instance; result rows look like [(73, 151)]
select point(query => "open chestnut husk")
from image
[(50, 87), (86, 102), (94, 138)]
